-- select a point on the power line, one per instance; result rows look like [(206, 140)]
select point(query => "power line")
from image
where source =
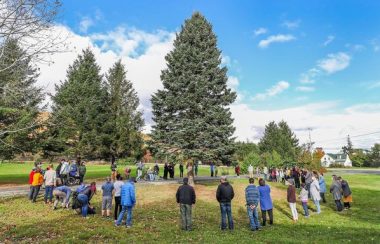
[(355, 136)]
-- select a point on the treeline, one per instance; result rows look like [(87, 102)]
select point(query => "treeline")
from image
[(92, 115)]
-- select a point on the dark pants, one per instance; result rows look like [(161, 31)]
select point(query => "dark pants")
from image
[(212, 173), (48, 193), (308, 189), (30, 195), (264, 215), (225, 209), (81, 177), (186, 216), (64, 178), (165, 174), (181, 173), (35, 191), (297, 182), (346, 205), (305, 209), (253, 218), (117, 207), (339, 206), (323, 197)]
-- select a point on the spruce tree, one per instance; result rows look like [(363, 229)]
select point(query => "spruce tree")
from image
[(78, 124), (191, 113), (19, 101), (125, 118)]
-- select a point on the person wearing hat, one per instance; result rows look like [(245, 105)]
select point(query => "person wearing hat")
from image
[(224, 195), (128, 201), (107, 189), (291, 197), (186, 198)]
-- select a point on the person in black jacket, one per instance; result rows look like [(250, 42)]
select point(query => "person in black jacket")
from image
[(186, 198), (224, 195)]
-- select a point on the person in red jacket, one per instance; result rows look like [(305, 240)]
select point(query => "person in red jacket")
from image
[(31, 174)]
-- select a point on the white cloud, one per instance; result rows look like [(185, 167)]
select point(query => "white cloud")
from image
[(334, 62), (151, 58), (260, 31), (305, 88), (85, 23), (275, 38), (310, 76), (233, 82), (273, 91), (327, 122), (330, 38), (291, 24)]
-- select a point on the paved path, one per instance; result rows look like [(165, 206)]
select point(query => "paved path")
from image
[(356, 171), (23, 190)]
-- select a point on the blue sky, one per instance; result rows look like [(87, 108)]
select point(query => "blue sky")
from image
[(283, 56)]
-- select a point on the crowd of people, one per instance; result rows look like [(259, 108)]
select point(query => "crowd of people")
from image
[(121, 194)]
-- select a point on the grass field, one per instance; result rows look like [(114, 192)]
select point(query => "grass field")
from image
[(11, 173), (156, 219)]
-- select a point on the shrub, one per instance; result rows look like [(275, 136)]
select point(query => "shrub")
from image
[(252, 158)]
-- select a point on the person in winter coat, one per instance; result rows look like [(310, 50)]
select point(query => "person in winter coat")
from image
[(322, 187), (31, 174), (308, 180), (304, 198), (224, 195), (166, 171), (84, 197), (347, 194), (266, 204), (237, 170), (291, 197), (185, 197), (336, 191), (128, 201), (82, 171), (252, 197), (65, 168), (314, 193)]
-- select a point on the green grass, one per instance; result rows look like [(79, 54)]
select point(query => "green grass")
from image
[(156, 219), (18, 173)]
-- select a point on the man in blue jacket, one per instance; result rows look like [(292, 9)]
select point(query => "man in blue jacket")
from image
[(128, 201), (252, 197)]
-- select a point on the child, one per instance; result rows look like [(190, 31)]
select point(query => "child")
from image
[(291, 197), (304, 197)]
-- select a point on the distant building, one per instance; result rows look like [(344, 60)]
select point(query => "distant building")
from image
[(338, 158)]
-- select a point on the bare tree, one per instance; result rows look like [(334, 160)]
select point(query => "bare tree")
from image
[(31, 23)]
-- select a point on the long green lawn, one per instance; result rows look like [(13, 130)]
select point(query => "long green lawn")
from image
[(156, 219), (17, 173)]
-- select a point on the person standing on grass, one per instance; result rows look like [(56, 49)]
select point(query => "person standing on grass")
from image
[(308, 180), (212, 169), (315, 194), (185, 197), (252, 198), (336, 191), (347, 194), (50, 183), (291, 197), (82, 171), (322, 187), (304, 197), (266, 204), (166, 170), (296, 176), (140, 167), (181, 170), (156, 170), (31, 174), (37, 182), (250, 171), (224, 195), (65, 168), (85, 196), (128, 201), (113, 169), (237, 170), (265, 171), (117, 187), (62, 194), (58, 169), (107, 189), (196, 164)]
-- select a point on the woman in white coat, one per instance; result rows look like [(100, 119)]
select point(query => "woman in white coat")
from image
[(314, 193)]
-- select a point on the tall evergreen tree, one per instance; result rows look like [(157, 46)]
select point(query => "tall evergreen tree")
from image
[(280, 138), (78, 124), (19, 101), (191, 111), (125, 118), (348, 149)]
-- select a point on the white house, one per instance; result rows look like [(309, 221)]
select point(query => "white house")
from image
[(338, 158)]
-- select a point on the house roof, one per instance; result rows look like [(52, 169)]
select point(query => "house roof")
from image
[(338, 157)]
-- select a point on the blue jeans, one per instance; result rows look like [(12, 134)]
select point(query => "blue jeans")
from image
[(318, 206), (304, 206), (83, 199), (124, 209), (225, 209), (253, 217), (48, 193)]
